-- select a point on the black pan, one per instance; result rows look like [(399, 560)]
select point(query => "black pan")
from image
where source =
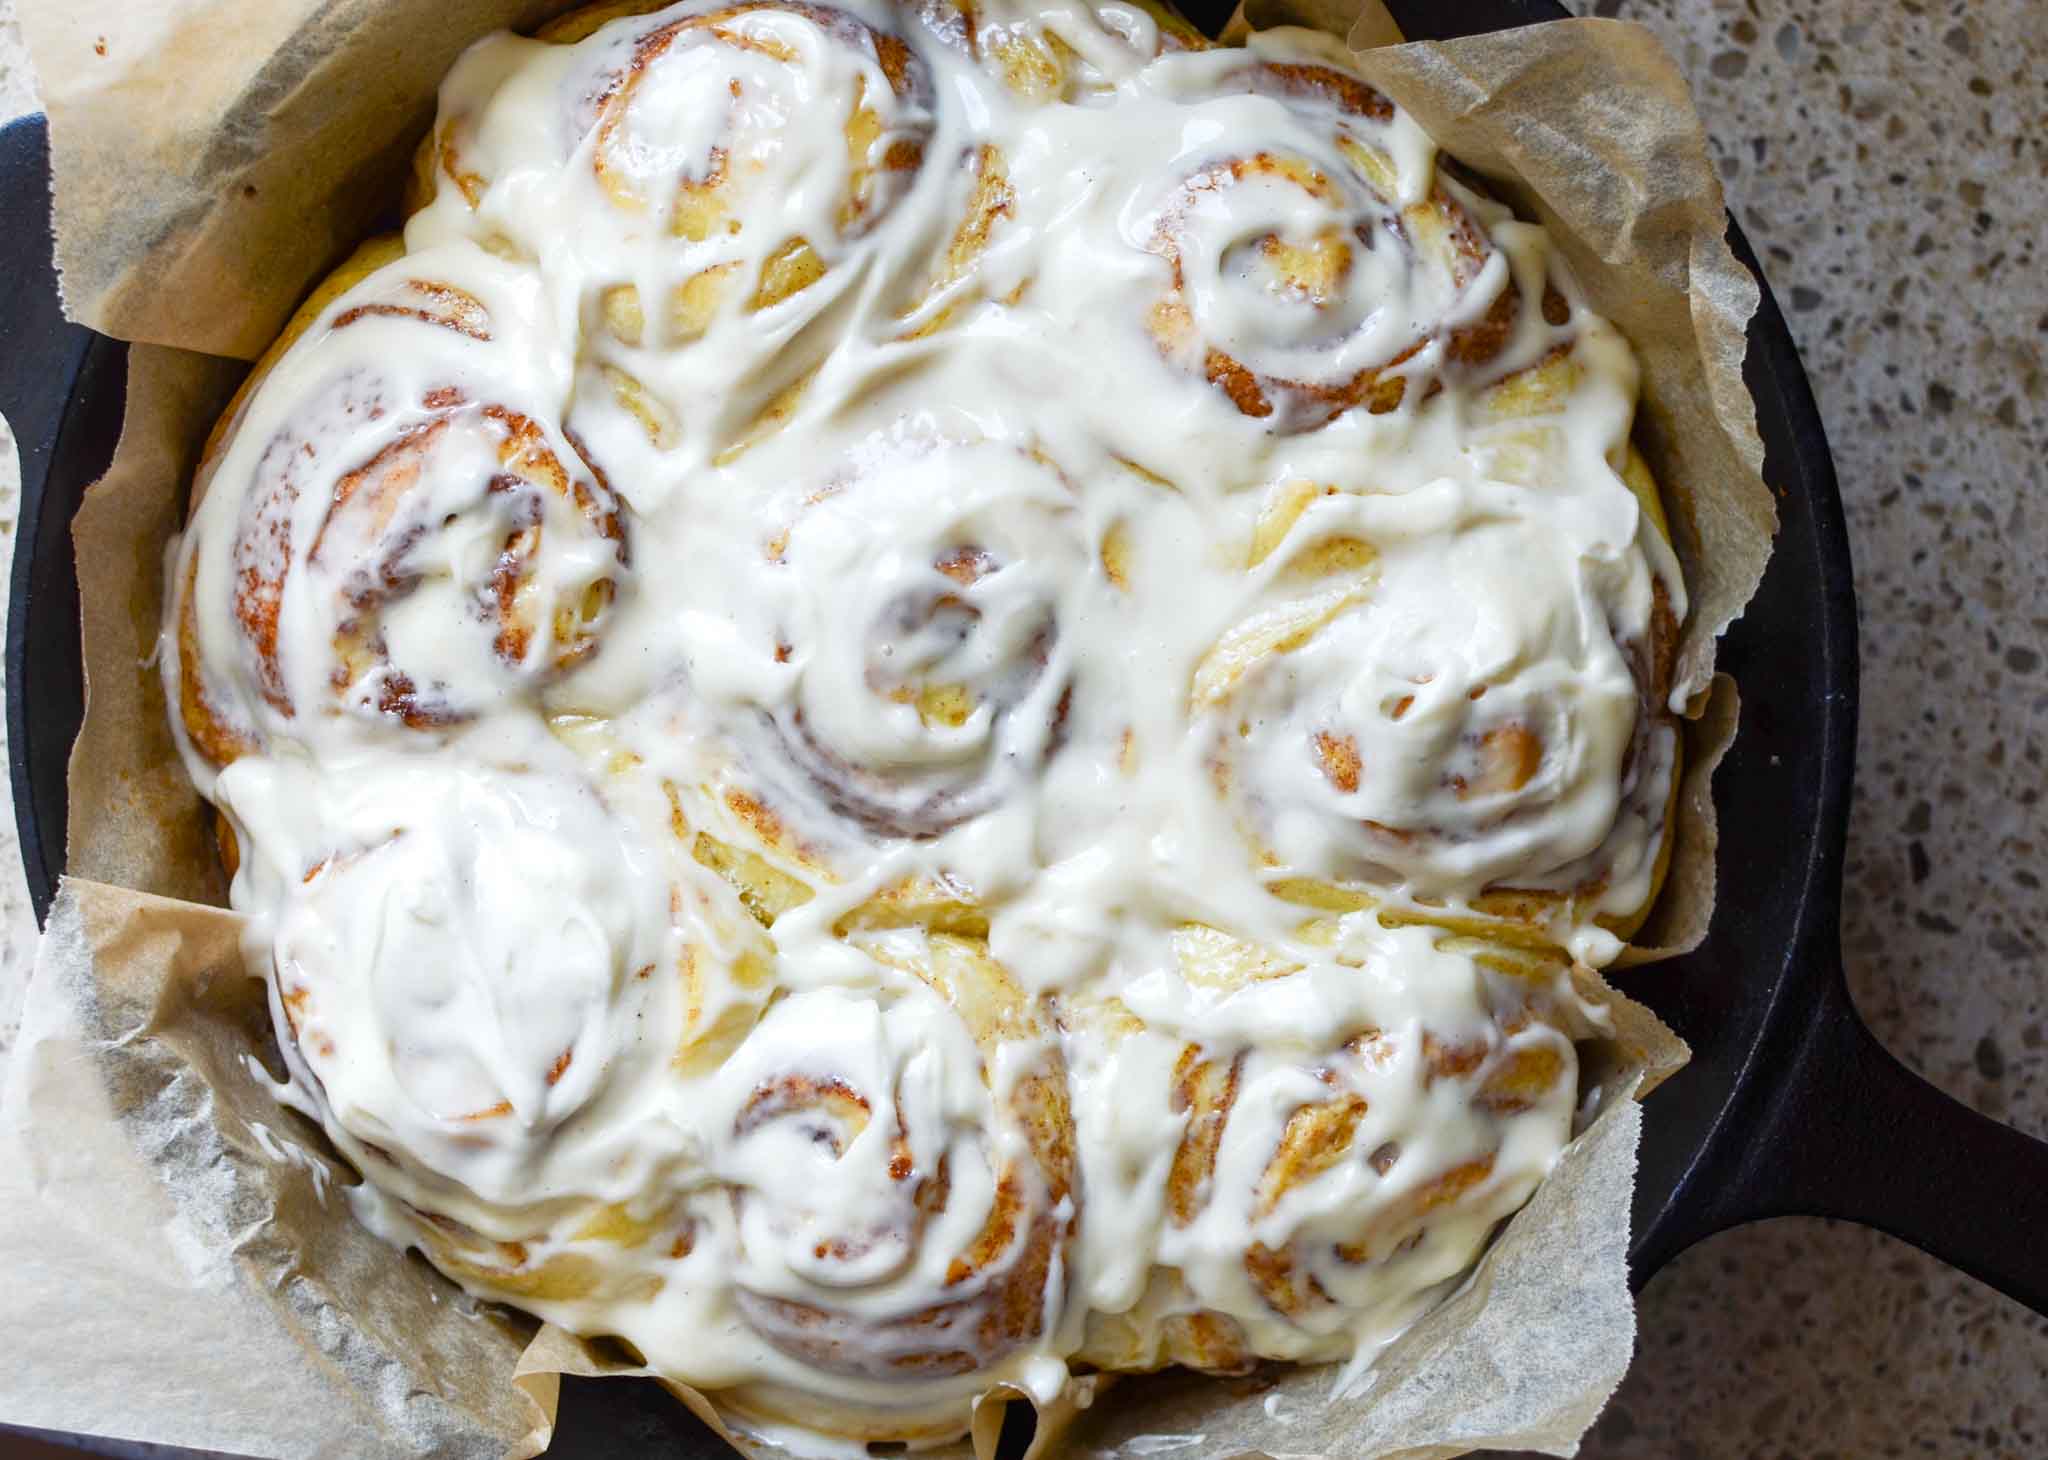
[(1789, 1107)]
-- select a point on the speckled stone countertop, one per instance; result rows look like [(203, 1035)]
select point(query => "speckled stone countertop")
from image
[(1889, 160)]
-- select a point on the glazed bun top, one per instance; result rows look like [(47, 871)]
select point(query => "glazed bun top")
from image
[(928, 692)]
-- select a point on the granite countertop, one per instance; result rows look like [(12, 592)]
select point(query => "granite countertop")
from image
[(1890, 163)]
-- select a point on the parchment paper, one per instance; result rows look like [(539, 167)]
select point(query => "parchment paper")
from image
[(183, 1264), (180, 1261)]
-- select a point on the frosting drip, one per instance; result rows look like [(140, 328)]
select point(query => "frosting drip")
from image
[(933, 691)]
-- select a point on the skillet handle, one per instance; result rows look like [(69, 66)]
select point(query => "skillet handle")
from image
[(1853, 1134)]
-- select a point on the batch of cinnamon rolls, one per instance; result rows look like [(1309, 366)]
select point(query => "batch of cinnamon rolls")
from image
[(925, 697)]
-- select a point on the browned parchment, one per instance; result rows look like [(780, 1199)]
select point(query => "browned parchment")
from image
[(187, 1261)]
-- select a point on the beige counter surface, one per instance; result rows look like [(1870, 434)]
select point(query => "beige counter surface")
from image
[(1890, 164)]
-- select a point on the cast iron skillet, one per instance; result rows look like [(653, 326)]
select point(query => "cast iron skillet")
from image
[(1789, 1106)]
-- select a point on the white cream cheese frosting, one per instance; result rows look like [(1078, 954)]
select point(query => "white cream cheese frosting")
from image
[(931, 695)]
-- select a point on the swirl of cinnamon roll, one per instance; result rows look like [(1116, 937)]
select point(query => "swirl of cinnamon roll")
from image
[(480, 977), (1436, 696), (1321, 265), (1372, 738), (721, 211), (686, 123), (400, 502), (917, 601), (455, 958), (901, 1171), (1311, 1201)]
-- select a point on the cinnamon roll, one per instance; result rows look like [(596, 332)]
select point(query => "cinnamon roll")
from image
[(1308, 1201), (1394, 728), (916, 611), (406, 538), (457, 962), (928, 695), (718, 213), (1303, 279), (901, 1170)]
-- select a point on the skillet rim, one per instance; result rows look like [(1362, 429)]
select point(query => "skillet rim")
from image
[(1697, 1141)]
